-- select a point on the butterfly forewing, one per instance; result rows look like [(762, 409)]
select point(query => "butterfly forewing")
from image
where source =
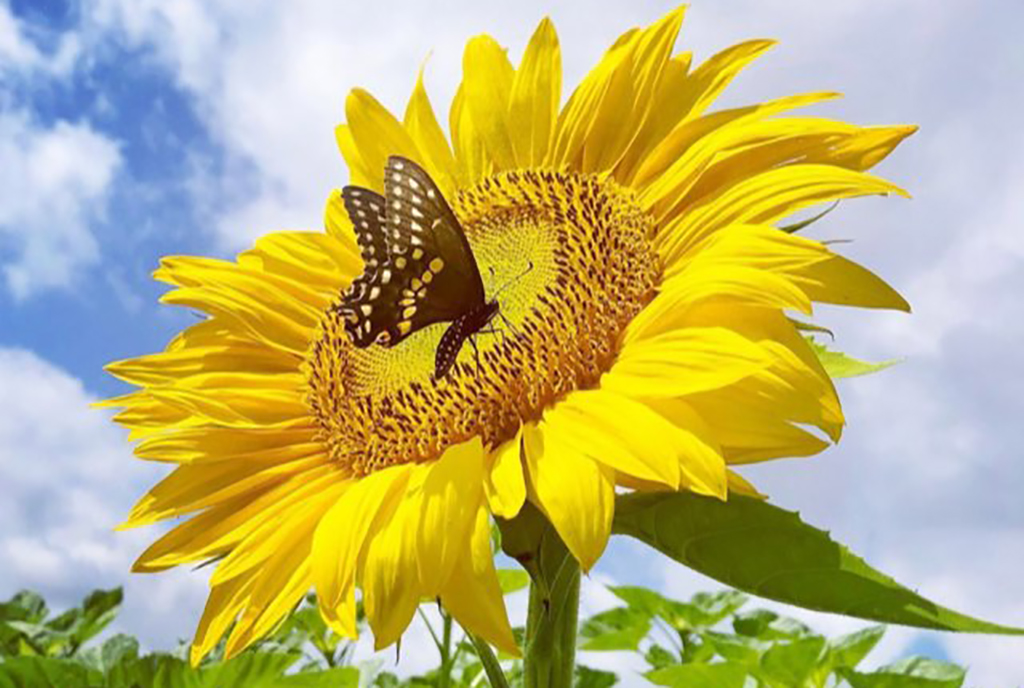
[(428, 273)]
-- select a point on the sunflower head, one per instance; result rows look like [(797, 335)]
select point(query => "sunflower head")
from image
[(547, 304)]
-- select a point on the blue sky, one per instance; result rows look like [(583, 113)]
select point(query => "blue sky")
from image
[(131, 130)]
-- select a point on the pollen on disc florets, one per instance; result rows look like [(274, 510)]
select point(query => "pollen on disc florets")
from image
[(569, 258)]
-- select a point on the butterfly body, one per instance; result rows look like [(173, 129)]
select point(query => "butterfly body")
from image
[(419, 268), (458, 332)]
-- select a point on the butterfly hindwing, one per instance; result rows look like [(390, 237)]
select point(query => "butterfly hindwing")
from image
[(419, 267)]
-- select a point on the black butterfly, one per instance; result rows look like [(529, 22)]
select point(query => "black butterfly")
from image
[(419, 267)]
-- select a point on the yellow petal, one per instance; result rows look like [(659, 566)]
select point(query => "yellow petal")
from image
[(472, 594), (765, 198), (684, 361), (222, 608), (221, 527), (741, 486), (447, 499), (618, 432), (711, 77), (487, 83), (359, 173), (575, 122), (317, 260), (665, 167), (422, 125), (272, 535), (650, 58), (661, 118), (471, 158), (196, 486), (723, 282), (843, 282), (574, 492), (210, 445), (340, 537), (535, 96), (504, 484), (377, 136), (166, 367), (390, 579), (695, 445)]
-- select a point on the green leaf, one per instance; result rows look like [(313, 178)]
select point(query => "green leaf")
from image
[(512, 580), (700, 676), (24, 606), (386, 679), (339, 677), (46, 672), (839, 365), (736, 648), (593, 678), (658, 657), (621, 628), (707, 609), (646, 602), (762, 549), (792, 663), (913, 672), (118, 649), (849, 650), (704, 610), (767, 625)]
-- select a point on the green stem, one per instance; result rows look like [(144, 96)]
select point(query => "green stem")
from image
[(446, 653), (490, 663), (549, 660)]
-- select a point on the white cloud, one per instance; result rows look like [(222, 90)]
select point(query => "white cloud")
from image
[(269, 80), (54, 182), (64, 488), (20, 57)]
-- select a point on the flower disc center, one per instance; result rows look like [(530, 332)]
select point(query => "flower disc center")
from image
[(567, 258)]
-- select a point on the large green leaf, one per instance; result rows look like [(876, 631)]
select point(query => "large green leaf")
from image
[(762, 549), (913, 672), (700, 676)]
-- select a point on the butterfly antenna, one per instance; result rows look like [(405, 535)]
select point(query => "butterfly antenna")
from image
[(512, 281)]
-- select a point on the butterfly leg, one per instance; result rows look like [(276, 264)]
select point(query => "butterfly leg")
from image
[(508, 323), (476, 352)]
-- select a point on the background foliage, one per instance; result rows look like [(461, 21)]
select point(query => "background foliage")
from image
[(712, 640)]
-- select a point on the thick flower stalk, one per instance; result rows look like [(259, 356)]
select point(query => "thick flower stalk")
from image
[(631, 240)]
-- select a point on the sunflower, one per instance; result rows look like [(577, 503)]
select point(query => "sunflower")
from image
[(631, 240)]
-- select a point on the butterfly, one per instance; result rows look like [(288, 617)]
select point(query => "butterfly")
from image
[(419, 267)]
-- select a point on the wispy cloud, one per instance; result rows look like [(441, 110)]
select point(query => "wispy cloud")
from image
[(54, 182)]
